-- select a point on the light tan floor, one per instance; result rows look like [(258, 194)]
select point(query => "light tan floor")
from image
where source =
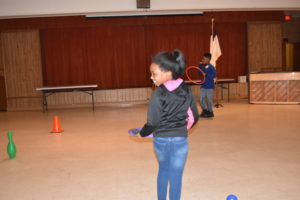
[(252, 151)]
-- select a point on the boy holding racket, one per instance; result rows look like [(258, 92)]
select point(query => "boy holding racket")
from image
[(172, 111), (207, 88)]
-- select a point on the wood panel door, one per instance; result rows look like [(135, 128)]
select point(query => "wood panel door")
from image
[(264, 46), (3, 104), (22, 68)]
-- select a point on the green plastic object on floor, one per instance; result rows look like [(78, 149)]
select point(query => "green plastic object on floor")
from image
[(11, 147)]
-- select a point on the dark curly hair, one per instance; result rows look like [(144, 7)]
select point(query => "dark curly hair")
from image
[(171, 61)]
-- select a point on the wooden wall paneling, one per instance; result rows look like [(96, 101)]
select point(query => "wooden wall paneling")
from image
[(168, 37), (77, 50), (111, 57), (1, 59), (237, 91), (81, 98), (3, 101), (196, 91), (243, 90), (22, 63), (234, 91), (233, 43), (64, 57), (119, 56), (52, 58), (75, 59), (189, 38), (264, 46), (232, 40), (23, 103), (99, 57), (61, 98), (130, 63)]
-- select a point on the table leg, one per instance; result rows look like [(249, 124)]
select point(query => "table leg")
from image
[(45, 105), (93, 100), (222, 94), (228, 86), (43, 101)]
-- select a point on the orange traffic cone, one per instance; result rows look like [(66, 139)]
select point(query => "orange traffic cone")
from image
[(56, 125)]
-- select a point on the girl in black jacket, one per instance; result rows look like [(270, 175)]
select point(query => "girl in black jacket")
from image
[(172, 111)]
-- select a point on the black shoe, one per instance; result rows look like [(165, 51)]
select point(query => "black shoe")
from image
[(210, 114), (204, 113)]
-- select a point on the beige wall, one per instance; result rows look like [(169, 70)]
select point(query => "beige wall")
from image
[(44, 7)]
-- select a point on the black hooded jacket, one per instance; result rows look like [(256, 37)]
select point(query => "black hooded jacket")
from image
[(168, 112)]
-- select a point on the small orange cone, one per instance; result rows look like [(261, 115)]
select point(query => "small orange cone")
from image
[(56, 125)]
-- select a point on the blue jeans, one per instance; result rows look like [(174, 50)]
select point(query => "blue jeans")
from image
[(171, 153), (206, 99)]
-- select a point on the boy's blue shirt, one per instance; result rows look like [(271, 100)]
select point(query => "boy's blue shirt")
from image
[(210, 72)]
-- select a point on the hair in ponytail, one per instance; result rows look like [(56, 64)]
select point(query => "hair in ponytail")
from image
[(171, 61)]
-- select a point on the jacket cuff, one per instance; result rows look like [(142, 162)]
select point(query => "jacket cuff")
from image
[(146, 130)]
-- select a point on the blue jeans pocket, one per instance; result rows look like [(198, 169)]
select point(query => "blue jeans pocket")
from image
[(161, 140), (179, 140), (160, 145)]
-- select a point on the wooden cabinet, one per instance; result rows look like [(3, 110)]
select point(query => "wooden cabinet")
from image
[(275, 88)]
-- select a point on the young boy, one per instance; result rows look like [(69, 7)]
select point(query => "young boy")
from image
[(207, 88)]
